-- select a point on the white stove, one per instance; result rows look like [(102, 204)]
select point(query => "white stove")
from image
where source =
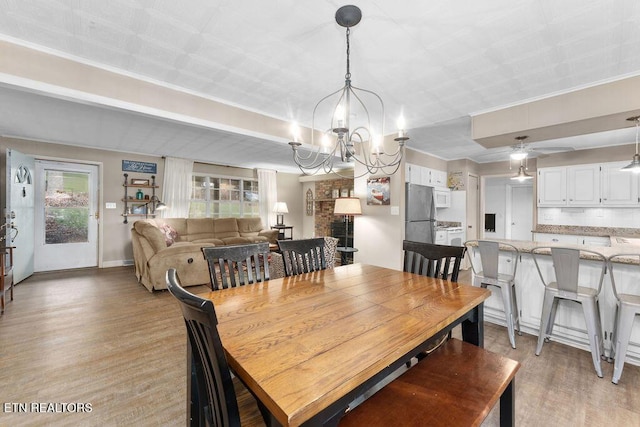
[(455, 236)]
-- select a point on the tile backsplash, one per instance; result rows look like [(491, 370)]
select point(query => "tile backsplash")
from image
[(594, 217)]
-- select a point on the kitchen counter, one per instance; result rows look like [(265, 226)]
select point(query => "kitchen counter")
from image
[(570, 326), (525, 246), (587, 231)]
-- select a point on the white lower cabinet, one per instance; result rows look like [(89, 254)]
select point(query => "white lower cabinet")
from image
[(570, 326), (555, 238), (573, 239)]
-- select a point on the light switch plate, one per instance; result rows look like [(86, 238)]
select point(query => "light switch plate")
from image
[(110, 205), (395, 210)]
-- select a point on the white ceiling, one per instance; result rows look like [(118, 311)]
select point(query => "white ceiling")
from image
[(436, 62)]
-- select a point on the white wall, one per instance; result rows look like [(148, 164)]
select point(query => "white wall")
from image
[(495, 202), (377, 232)]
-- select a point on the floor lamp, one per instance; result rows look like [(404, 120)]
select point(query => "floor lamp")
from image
[(347, 206)]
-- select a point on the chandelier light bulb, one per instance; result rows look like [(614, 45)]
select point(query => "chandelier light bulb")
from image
[(401, 126), (376, 145), (339, 115), (295, 132)]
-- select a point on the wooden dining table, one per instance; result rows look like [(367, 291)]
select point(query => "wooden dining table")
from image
[(308, 345)]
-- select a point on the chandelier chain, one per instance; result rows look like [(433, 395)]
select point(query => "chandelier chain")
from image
[(348, 75)]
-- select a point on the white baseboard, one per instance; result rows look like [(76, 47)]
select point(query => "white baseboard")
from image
[(117, 263)]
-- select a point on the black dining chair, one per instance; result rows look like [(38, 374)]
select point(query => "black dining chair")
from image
[(211, 399), (238, 265), (438, 261), (427, 259), (303, 256)]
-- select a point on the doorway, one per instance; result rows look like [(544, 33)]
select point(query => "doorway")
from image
[(507, 208), (66, 221)]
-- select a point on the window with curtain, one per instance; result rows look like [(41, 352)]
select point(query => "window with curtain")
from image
[(223, 197)]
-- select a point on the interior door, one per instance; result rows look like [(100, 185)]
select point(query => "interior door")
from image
[(19, 211), (66, 216), (521, 213)]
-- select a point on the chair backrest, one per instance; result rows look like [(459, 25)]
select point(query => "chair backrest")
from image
[(490, 254), (566, 266), (231, 266), (215, 403), (631, 261), (303, 256), (427, 259)]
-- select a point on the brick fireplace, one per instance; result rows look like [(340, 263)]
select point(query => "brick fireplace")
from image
[(324, 203)]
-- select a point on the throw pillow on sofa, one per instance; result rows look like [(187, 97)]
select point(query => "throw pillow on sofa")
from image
[(170, 234)]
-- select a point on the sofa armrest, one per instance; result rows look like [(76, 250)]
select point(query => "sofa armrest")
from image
[(186, 258), (271, 235)]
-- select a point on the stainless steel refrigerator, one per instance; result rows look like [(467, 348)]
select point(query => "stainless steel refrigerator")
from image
[(420, 213)]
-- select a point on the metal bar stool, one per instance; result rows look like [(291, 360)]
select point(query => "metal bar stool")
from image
[(564, 281), (627, 308), (488, 274)]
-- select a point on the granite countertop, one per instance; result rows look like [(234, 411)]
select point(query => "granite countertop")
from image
[(525, 246), (588, 231)]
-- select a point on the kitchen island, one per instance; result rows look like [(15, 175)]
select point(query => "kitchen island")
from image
[(570, 325)]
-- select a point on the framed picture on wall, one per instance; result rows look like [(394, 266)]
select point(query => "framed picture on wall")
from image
[(378, 191)]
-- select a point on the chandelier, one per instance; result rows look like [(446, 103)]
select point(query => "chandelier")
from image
[(349, 134)]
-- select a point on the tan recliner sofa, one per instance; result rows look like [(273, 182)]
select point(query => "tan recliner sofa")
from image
[(163, 243)]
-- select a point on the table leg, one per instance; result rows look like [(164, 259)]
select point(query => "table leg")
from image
[(508, 406), (473, 329)]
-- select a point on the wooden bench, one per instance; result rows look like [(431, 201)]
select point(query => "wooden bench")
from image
[(456, 385)]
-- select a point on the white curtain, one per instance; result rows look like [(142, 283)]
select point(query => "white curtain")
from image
[(176, 189), (268, 194)]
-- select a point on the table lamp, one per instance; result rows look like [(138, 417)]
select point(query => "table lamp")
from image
[(156, 204), (347, 206), (280, 208)]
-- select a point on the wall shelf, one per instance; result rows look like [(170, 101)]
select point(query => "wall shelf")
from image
[(131, 204)]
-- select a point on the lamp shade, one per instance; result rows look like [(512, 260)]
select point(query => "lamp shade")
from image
[(280, 207), (347, 206)]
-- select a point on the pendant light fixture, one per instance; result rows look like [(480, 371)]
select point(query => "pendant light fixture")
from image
[(522, 174), (634, 166), (350, 133)]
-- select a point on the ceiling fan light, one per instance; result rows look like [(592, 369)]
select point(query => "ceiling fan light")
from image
[(519, 155)]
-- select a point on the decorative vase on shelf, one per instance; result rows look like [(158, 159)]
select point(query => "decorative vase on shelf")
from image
[(139, 195)]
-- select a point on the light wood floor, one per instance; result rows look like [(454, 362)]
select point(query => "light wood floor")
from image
[(96, 336)]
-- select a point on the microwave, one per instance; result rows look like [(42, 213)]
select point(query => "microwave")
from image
[(442, 197)]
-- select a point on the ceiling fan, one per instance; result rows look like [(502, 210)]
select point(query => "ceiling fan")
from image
[(522, 150)]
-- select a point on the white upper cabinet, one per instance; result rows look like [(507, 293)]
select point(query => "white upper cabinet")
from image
[(425, 176), (413, 174), (618, 188), (583, 185), (552, 186), (588, 185), (438, 178)]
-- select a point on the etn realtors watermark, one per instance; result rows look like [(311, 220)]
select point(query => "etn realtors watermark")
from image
[(47, 407)]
